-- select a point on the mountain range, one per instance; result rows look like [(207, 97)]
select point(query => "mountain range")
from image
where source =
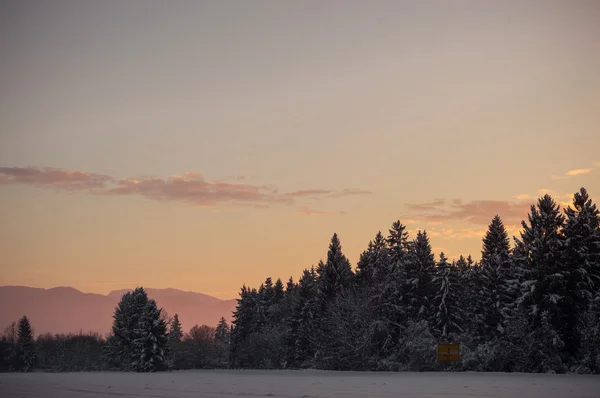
[(68, 310)]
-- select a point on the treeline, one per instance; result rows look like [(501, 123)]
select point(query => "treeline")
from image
[(532, 307), (142, 339)]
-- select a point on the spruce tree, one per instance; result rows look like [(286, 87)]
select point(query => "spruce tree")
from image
[(420, 271), (278, 291), (126, 321), (303, 328), (175, 332), (26, 351), (336, 274), (581, 258), (538, 253), (499, 281), (222, 332), (222, 341), (448, 313), (149, 352)]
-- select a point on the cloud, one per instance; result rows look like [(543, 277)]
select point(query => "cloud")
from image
[(575, 172), (309, 192), (189, 187), (433, 205), (307, 211), (478, 212), (350, 192), (326, 193), (578, 172), (49, 177)]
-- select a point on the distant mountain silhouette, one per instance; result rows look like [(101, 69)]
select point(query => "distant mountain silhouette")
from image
[(66, 310)]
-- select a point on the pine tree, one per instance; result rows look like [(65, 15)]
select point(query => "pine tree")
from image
[(175, 332), (581, 259), (26, 351), (461, 264), (149, 352), (420, 271), (448, 316), (222, 332), (499, 281), (278, 291), (540, 250), (495, 242), (290, 287), (222, 340), (242, 326), (336, 274), (538, 254), (393, 287), (126, 320)]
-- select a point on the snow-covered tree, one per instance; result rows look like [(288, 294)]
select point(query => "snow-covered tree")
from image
[(26, 350), (302, 326), (448, 313), (539, 249), (149, 352), (420, 271), (543, 274), (499, 281), (581, 259), (336, 274)]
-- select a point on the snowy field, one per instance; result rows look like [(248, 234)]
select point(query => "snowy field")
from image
[(305, 384)]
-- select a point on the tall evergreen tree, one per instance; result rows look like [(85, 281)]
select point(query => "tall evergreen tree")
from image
[(448, 313), (336, 274), (26, 351), (420, 272), (222, 332), (126, 319), (175, 332), (278, 291), (499, 281), (538, 253), (581, 259), (149, 352), (303, 327)]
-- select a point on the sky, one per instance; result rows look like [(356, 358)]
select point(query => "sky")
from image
[(202, 145)]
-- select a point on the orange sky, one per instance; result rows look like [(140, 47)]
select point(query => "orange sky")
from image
[(203, 145)]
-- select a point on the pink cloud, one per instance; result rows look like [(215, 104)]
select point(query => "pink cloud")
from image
[(432, 205), (475, 212), (328, 193), (53, 177), (189, 187)]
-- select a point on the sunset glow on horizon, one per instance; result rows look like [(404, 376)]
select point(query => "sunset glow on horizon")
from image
[(206, 145)]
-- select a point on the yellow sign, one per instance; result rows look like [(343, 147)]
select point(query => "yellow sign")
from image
[(448, 352)]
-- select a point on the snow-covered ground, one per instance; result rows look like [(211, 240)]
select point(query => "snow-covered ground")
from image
[(305, 384)]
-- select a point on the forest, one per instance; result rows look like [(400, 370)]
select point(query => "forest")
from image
[(529, 306)]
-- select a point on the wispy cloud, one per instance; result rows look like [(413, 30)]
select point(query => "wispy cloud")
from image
[(308, 211), (189, 187), (478, 212), (325, 193), (49, 177), (432, 205), (440, 212), (577, 172)]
